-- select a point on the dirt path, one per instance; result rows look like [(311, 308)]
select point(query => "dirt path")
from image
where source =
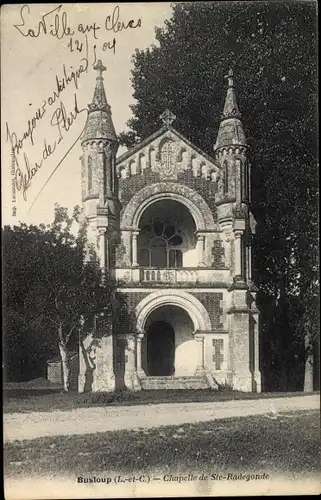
[(19, 426)]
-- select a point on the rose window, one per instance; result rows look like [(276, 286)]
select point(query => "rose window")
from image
[(160, 245)]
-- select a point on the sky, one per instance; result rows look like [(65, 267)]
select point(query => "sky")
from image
[(42, 44)]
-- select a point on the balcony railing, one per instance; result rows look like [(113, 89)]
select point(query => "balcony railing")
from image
[(172, 275), (168, 275)]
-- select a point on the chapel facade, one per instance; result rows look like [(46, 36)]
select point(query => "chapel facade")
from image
[(172, 225)]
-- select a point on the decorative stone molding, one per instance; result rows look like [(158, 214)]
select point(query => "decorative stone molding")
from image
[(180, 298), (230, 150), (239, 213), (193, 201), (238, 234), (238, 284)]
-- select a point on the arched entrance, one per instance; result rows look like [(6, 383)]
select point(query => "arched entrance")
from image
[(186, 315), (160, 349), (168, 346)]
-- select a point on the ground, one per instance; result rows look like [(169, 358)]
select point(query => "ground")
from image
[(288, 444), (145, 447), (17, 399)]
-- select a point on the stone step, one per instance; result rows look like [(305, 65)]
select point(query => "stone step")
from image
[(173, 383)]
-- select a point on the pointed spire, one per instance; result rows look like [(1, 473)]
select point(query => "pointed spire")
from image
[(99, 101), (231, 108), (99, 122), (231, 130)]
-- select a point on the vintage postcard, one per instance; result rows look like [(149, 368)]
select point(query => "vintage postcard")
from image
[(160, 249)]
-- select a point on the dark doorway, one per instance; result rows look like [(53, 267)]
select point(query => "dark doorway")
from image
[(160, 349)]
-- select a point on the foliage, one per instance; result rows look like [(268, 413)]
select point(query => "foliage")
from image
[(271, 47), (48, 287)]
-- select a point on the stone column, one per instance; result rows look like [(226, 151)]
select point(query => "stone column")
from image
[(238, 253), (140, 371), (199, 353), (134, 248), (200, 250), (131, 379)]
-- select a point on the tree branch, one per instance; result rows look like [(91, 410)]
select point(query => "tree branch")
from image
[(52, 321), (69, 334)]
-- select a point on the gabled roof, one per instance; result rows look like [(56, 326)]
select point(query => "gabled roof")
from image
[(156, 135)]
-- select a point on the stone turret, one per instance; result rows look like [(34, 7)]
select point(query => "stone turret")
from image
[(233, 187), (99, 180), (231, 151), (101, 212)]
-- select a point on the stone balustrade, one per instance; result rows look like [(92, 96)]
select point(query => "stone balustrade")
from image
[(172, 275)]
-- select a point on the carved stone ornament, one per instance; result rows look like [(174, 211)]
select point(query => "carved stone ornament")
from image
[(167, 156), (169, 276), (127, 277), (167, 118)]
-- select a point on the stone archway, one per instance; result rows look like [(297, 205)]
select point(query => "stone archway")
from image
[(193, 201), (185, 300)]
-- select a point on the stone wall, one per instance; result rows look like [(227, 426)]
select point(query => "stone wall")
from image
[(212, 302)]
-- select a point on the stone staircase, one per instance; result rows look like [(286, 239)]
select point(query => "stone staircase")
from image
[(174, 383)]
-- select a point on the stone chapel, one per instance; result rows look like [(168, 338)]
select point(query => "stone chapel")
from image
[(172, 225)]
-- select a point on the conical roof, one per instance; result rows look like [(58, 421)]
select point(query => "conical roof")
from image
[(231, 130), (99, 121)]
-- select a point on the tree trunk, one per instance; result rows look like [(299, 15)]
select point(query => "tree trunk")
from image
[(65, 366), (308, 371), (308, 374)]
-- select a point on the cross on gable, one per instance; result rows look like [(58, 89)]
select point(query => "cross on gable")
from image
[(167, 117), (229, 78), (100, 67)]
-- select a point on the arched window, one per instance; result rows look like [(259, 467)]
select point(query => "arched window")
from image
[(246, 180), (90, 173), (225, 177), (240, 173), (160, 245), (113, 176)]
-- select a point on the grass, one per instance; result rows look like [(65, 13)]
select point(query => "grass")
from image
[(289, 445), (23, 400)]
